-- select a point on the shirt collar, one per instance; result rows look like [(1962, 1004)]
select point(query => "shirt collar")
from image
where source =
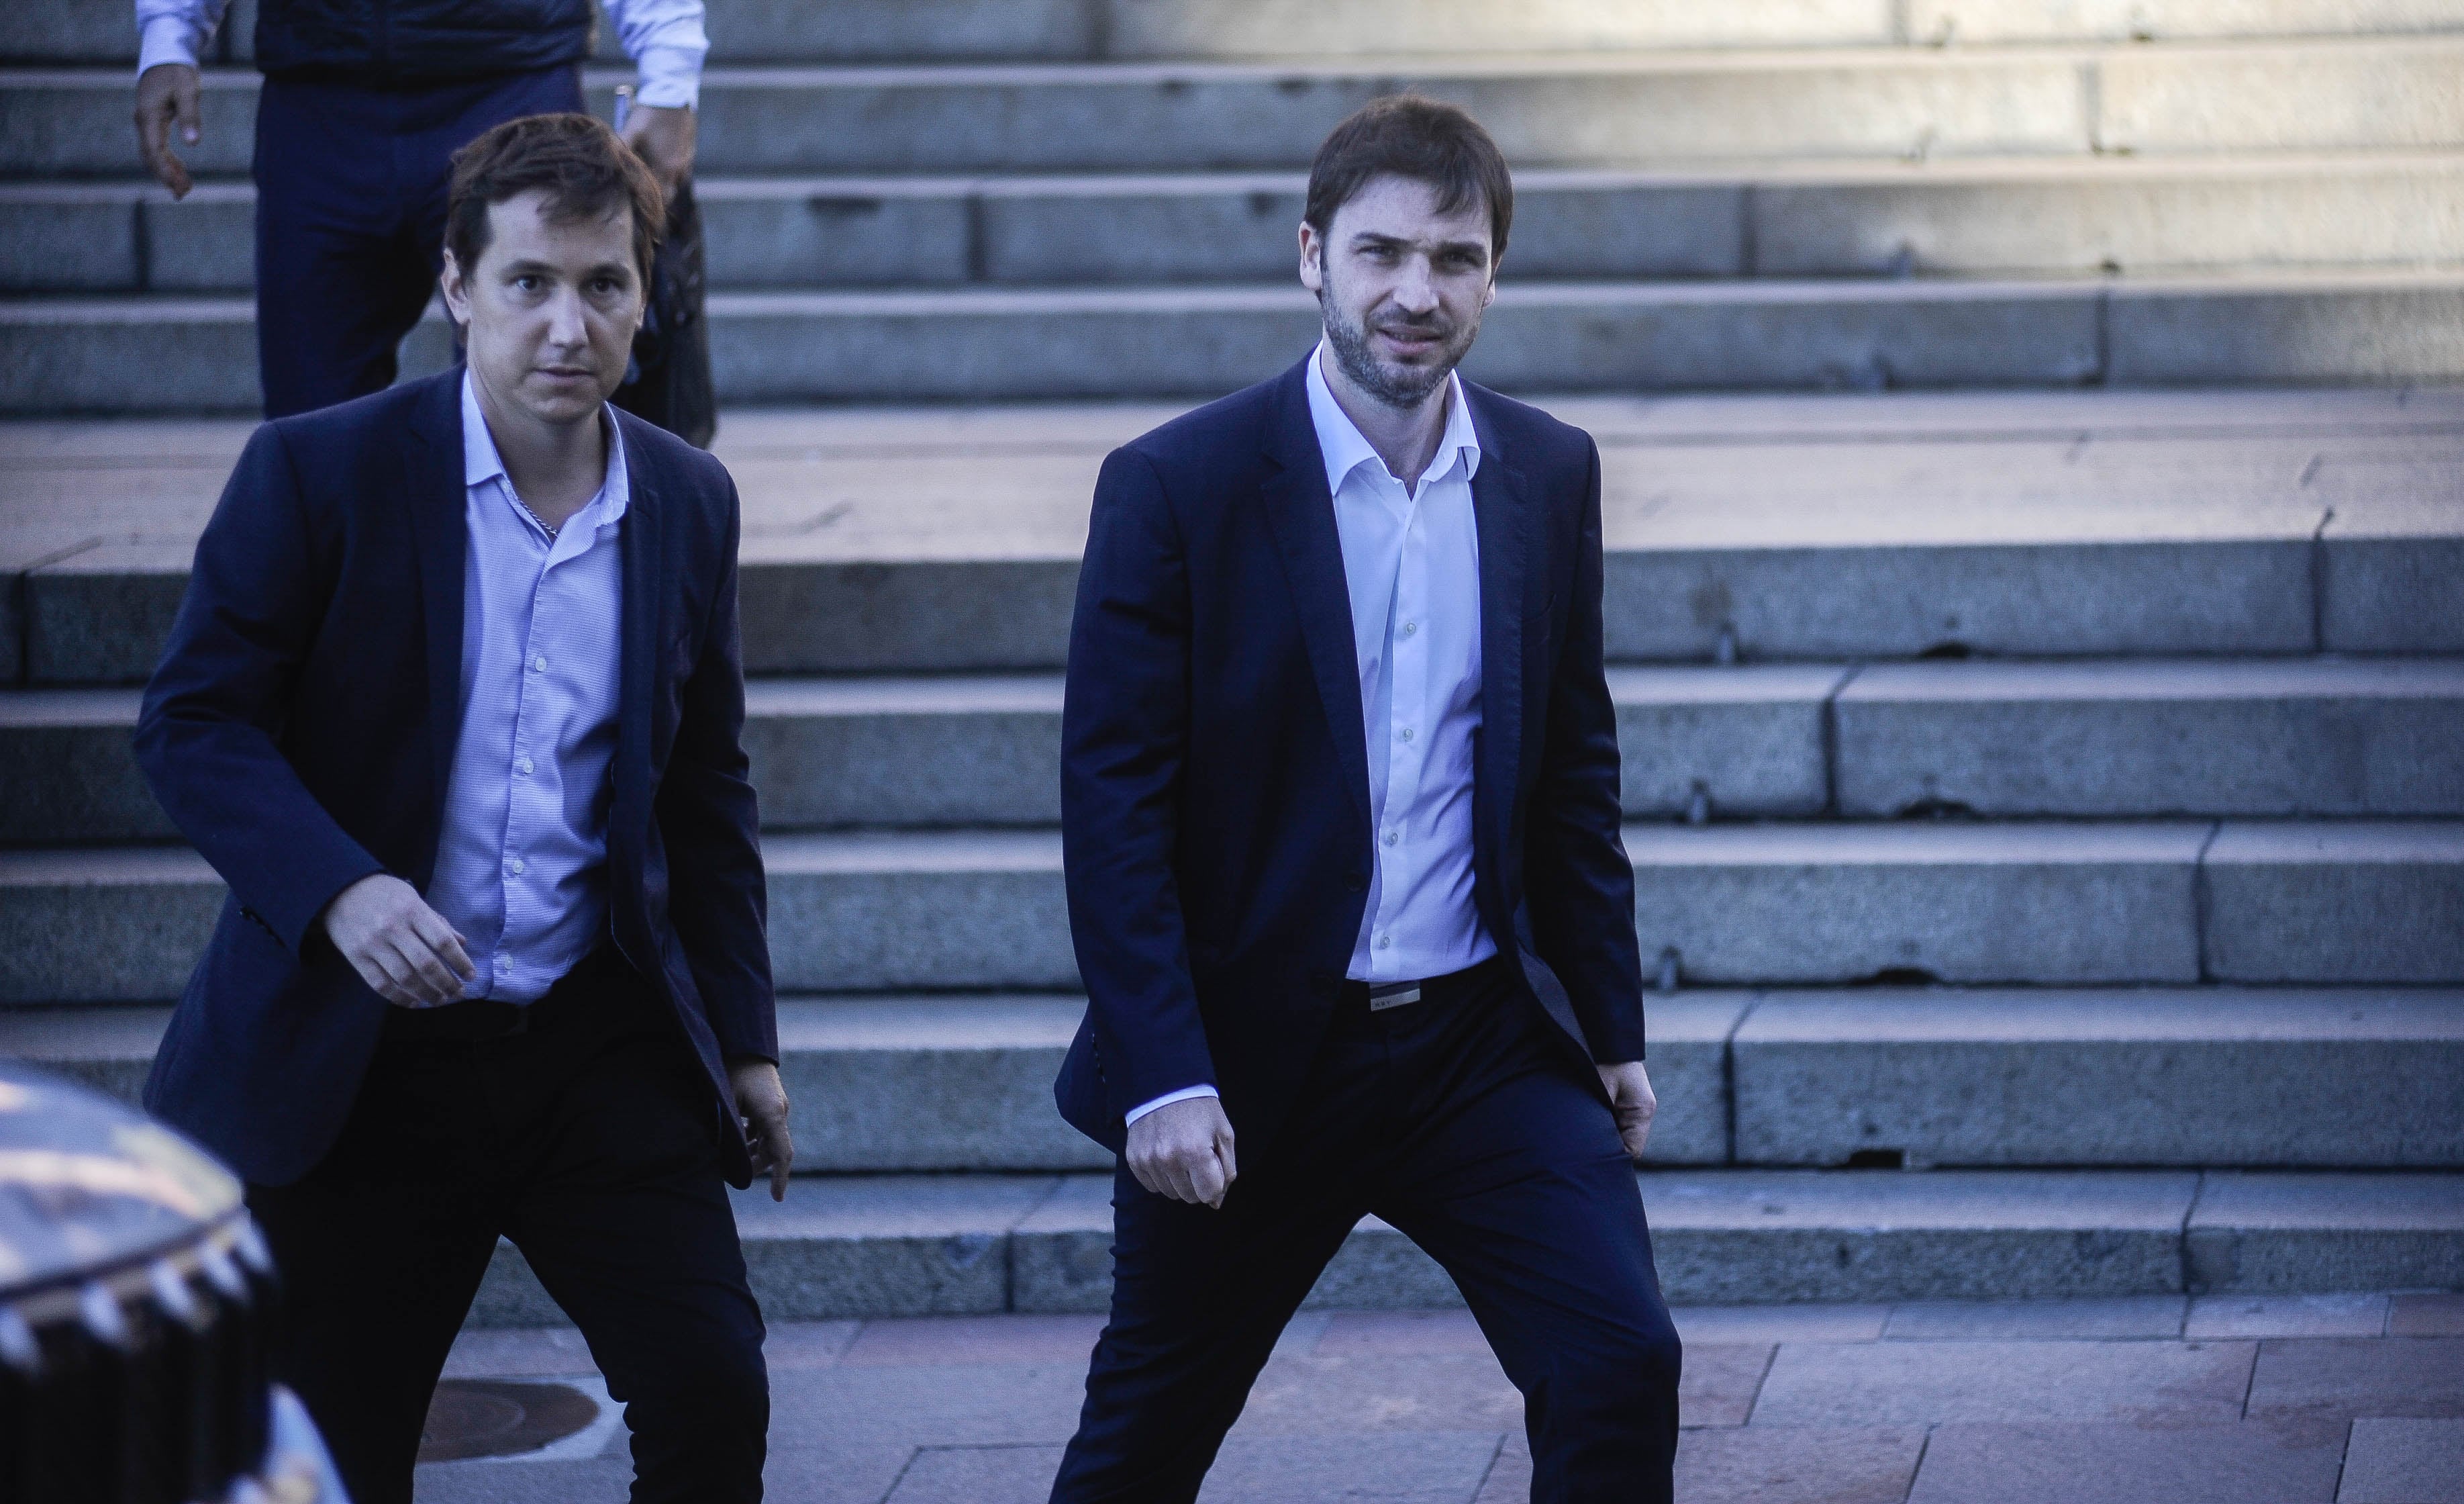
[(1340, 441), (481, 463)]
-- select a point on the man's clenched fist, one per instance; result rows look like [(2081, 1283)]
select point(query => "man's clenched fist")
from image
[(1631, 1100), (1183, 1150), (402, 948)]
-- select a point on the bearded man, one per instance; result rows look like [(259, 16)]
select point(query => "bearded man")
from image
[(1339, 800)]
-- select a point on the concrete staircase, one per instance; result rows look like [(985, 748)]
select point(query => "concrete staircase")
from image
[(993, 199), (2048, 807)]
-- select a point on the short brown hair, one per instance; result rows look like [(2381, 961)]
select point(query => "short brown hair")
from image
[(1406, 136), (585, 169)]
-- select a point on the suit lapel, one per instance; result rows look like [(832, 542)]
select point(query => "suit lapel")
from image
[(640, 539), (1501, 518), (1300, 512), (434, 496)]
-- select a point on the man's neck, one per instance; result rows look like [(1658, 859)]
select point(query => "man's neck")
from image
[(1405, 438), (556, 468)]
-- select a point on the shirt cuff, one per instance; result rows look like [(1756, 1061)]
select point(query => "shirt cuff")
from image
[(167, 39), (1185, 1094), (670, 77)]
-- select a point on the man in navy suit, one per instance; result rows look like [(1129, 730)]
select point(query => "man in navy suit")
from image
[(454, 706), (1339, 804)]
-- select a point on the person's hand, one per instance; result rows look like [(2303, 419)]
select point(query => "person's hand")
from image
[(401, 947), (166, 100), (1631, 1100), (761, 1107), (662, 137), (1183, 1150)]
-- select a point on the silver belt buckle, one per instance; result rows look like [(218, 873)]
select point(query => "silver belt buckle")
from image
[(1394, 994)]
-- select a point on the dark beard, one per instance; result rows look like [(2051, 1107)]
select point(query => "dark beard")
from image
[(1400, 389)]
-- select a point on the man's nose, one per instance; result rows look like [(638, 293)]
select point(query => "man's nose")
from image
[(1416, 291), (565, 323)]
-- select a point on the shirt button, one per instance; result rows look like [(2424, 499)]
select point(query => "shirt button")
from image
[(539, 665), (517, 867), (522, 765), (1407, 733), (1385, 942), (1392, 836), (1410, 628)]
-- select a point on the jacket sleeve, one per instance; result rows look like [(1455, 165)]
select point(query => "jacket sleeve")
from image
[(718, 893), (1577, 879), (1124, 723), (208, 735)]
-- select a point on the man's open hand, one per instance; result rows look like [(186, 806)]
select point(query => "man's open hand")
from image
[(1631, 1099), (400, 947), (167, 101), (762, 1111), (1183, 1150)]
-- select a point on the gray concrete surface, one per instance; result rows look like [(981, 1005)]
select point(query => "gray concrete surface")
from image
[(2336, 902), (2137, 1077), (2300, 737)]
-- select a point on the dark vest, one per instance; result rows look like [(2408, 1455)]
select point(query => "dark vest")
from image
[(385, 42)]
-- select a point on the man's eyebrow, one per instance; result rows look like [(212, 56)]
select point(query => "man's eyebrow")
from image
[(533, 266), (1372, 240)]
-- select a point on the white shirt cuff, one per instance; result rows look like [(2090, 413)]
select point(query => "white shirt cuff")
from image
[(167, 39), (670, 77), (1185, 1094)]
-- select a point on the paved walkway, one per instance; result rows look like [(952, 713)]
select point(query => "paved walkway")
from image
[(2286, 1400)]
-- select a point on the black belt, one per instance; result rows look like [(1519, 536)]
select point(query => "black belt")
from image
[(1452, 988), (600, 985)]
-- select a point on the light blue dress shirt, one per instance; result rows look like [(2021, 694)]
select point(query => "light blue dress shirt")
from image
[(1411, 565), (521, 861)]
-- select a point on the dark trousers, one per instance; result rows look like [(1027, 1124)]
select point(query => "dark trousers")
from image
[(591, 1141), (1469, 1129), (350, 219)]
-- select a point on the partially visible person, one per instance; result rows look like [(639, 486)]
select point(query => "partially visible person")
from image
[(364, 105), (455, 704)]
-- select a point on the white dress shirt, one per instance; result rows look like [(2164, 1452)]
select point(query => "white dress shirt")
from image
[(521, 860), (664, 37), (1411, 563)]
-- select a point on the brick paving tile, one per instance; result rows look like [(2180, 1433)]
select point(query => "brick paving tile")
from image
[(2404, 1462), (2224, 1316), (977, 1475), (2426, 1315), (1360, 1334), (990, 1404), (519, 1353), (522, 1482), (2113, 1463), (1797, 1465), (1915, 1383), (1321, 1395), (974, 1339), (1957, 1320), (2337, 1377), (1807, 1323)]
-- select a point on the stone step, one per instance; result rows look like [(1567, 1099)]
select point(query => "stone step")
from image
[(1586, 108), (850, 31), (2250, 523), (1805, 219), (2038, 904), (2285, 737), (2219, 1078), (958, 1245), (162, 354)]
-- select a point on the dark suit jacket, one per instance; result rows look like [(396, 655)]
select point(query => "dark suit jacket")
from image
[(1214, 773), (300, 732)]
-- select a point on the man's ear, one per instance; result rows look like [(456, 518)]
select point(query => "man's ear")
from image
[(457, 296), (1312, 258)]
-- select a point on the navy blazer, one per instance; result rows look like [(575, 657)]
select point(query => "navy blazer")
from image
[(300, 732), (1215, 769)]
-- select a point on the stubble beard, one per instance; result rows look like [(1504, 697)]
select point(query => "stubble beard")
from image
[(1403, 388)]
